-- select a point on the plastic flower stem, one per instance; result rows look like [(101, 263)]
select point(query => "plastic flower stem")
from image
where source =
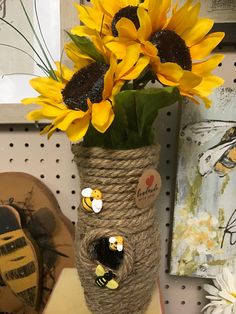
[(19, 73), (22, 35), (51, 72), (40, 29), (25, 52)]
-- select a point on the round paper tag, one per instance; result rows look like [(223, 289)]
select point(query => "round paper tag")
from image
[(148, 188)]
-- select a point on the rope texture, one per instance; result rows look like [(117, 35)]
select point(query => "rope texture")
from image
[(116, 174)]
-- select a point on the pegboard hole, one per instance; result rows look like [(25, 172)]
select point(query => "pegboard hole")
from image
[(58, 192), (167, 177), (26, 144), (57, 161), (42, 176), (41, 145), (26, 129), (42, 160), (73, 207), (58, 145), (73, 192), (73, 176), (168, 113), (167, 286), (183, 302), (199, 303), (58, 176), (11, 129), (26, 160), (11, 160), (11, 144), (220, 64), (183, 287), (167, 302)]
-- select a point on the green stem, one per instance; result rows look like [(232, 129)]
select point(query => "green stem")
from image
[(25, 52), (23, 36), (40, 30), (51, 72)]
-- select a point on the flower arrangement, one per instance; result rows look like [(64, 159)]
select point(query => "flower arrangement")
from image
[(222, 295), (120, 48)]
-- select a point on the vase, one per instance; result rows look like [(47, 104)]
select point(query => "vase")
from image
[(116, 174)]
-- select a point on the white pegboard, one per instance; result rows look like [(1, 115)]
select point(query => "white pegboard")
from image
[(23, 149)]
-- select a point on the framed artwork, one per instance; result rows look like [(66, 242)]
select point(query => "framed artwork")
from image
[(223, 12), (204, 222), (16, 57)]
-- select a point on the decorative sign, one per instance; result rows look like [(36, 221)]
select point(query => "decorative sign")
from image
[(205, 213), (148, 188)]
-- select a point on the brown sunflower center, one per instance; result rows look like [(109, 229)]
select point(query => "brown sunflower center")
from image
[(172, 48), (130, 12), (86, 83)]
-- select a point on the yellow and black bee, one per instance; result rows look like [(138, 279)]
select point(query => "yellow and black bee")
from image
[(220, 158), (105, 279), (92, 200), (19, 262)]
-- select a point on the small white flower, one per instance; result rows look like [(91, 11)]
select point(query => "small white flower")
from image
[(223, 295)]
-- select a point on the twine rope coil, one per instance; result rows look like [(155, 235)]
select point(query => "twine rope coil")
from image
[(116, 173)]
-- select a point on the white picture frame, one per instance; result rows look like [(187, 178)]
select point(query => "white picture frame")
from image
[(63, 16)]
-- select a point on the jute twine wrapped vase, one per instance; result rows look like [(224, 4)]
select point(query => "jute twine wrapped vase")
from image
[(116, 173)]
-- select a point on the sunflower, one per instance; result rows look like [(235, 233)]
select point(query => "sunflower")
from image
[(178, 46), (77, 98), (104, 15)]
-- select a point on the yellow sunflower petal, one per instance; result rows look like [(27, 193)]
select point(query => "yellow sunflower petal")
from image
[(91, 18), (131, 57), (145, 30), (157, 10), (125, 3), (206, 67), (102, 115), (148, 49), (189, 80), (80, 60), (107, 7), (35, 115), (179, 14), (48, 87), (63, 72), (70, 117), (193, 35), (137, 69), (118, 48), (78, 128), (189, 20), (169, 73), (109, 78), (81, 30), (206, 45), (126, 28), (208, 84)]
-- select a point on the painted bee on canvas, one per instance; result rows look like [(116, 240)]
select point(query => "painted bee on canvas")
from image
[(105, 279), (220, 158), (19, 260), (92, 200)]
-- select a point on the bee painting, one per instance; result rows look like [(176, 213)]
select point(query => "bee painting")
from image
[(19, 258), (105, 279), (92, 200), (116, 243), (220, 158)]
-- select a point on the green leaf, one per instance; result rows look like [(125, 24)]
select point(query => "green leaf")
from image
[(87, 47), (148, 103)]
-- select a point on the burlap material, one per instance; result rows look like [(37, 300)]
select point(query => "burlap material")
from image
[(116, 174)]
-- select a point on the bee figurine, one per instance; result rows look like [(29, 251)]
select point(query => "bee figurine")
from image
[(92, 200), (105, 279), (219, 158), (19, 260), (116, 243)]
